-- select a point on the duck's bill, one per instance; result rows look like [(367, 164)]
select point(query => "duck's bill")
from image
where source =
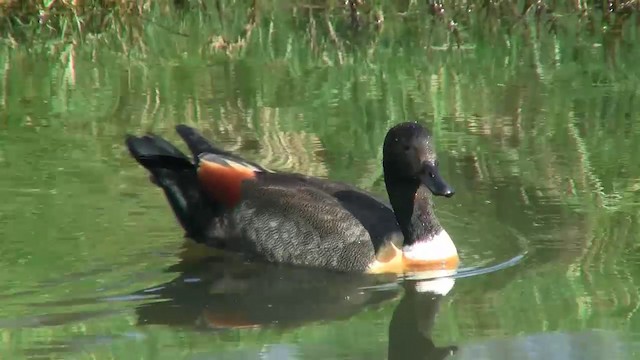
[(434, 182)]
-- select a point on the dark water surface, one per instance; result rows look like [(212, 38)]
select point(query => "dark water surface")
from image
[(539, 143)]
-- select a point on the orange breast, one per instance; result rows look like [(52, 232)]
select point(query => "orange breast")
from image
[(223, 182), (390, 259)]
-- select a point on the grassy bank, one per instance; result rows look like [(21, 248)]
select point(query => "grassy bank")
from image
[(227, 25)]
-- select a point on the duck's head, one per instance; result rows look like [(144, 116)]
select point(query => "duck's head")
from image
[(409, 156)]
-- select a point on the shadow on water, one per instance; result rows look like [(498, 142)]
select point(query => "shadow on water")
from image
[(413, 320), (214, 296), (220, 294)]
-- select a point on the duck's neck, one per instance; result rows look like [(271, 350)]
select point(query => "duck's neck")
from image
[(412, 205)]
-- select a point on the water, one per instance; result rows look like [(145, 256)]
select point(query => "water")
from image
[(538, 144)]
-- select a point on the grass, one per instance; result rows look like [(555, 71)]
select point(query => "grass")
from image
[(229, 25)]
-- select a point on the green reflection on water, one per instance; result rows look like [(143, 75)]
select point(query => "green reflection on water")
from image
[(538, 138)]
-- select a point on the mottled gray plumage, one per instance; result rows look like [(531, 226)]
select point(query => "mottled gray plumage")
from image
[(293, 218)]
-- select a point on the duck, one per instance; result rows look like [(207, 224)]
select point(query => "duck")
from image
[(226, 202)]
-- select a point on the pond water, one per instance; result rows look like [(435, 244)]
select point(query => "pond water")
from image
[(538, 141)]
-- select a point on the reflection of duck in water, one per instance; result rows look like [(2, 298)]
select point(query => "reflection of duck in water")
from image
[(229, 203), (223, 296), (226, 294), (413, 319)]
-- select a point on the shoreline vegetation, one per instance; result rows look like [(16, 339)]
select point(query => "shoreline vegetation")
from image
[(228, 26)]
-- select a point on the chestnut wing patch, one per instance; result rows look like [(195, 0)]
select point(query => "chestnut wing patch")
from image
[(222, 177)]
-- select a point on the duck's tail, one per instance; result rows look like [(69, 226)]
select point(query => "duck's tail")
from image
[(199, 145), (177, 175)]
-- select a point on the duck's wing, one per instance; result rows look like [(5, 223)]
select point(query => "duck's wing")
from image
[(292, 218), (300, 225), (373, 213)]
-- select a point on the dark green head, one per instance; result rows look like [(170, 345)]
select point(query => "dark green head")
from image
[(409, 156)]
